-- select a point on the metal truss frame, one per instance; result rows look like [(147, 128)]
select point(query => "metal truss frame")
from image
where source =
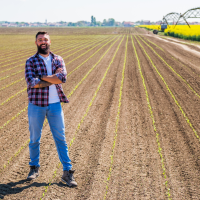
[(173, 16), (192, 13)]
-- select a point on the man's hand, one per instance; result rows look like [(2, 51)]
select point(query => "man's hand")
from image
[(53, 78), (49, 80), (59, 70), (42, 84)]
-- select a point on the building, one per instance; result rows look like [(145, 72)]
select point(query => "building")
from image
[(13, 25), (5, 25), (146, 22), (128, 24), (158, 23)]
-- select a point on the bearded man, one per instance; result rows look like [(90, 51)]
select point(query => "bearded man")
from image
[(44, 74)]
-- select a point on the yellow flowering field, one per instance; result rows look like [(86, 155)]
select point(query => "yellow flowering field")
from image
[(179, 31)]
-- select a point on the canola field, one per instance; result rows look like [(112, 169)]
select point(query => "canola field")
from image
[(179, 31)]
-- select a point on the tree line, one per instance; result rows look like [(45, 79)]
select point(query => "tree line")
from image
[(109, 22)]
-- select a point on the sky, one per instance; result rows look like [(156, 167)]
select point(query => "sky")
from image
[(77, 10)]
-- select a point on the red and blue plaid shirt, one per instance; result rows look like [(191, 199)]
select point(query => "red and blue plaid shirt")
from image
[(35, 67)]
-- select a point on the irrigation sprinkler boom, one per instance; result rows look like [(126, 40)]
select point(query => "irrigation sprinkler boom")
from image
[(171, 17), (192, 13)]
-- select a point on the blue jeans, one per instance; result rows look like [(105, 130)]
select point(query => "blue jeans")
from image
[(55, 117)]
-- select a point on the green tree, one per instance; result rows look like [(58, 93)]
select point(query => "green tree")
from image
[(80, 23), (98, 23), (111, 22), (92, 20)]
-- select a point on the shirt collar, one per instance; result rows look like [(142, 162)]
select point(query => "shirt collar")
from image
[(52, 55)]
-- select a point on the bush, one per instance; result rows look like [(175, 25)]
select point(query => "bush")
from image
[(193, 37), (198, 38), (180, 36), (189, 37), (175, 34), (172, 34)]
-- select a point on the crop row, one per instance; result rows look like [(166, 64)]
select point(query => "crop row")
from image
[(171, 56), (152, 116), (117, 122), (177, 103)]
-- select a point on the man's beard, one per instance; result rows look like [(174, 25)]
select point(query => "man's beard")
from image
[(44, 51)]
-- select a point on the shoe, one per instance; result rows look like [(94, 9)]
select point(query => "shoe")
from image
[(68, 178), (34, 172)]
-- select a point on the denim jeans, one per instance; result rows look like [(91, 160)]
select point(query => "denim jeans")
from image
[(55, 117)]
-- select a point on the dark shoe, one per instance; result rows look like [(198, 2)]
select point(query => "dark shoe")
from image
[(34, 172), (68, 178)]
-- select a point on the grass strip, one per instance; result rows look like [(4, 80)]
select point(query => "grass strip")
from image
[(152, 117), (13, 96), (11, 84), (172, 69), (177, 60), (11, 75), (180, 108), (117, 122), (86, 47), (151, 42)]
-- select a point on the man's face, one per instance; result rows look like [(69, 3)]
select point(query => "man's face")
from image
[(43, 43)]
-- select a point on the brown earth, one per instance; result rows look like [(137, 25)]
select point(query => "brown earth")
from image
[(135, 170)]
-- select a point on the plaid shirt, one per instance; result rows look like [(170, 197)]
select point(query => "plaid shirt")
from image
[(35, 67)]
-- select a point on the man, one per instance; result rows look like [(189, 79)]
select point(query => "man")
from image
[(44, 73)]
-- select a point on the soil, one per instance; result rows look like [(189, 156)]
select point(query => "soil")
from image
[(135, 171)]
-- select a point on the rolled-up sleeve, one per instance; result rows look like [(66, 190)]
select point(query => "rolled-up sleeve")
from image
[(30, 77), (63, 75)]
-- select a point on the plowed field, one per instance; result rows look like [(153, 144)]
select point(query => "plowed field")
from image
[(132, 124)]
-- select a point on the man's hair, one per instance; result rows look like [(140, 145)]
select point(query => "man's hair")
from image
[(41, 33)]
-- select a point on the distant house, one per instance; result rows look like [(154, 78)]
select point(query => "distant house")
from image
[(146, 22), (52, 24), (118, 23), (27, 24), (5, 25), (136, 24), (34, 25), (13, 25), (158, 22), (128, 24), (193, 23), (43, 25)]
